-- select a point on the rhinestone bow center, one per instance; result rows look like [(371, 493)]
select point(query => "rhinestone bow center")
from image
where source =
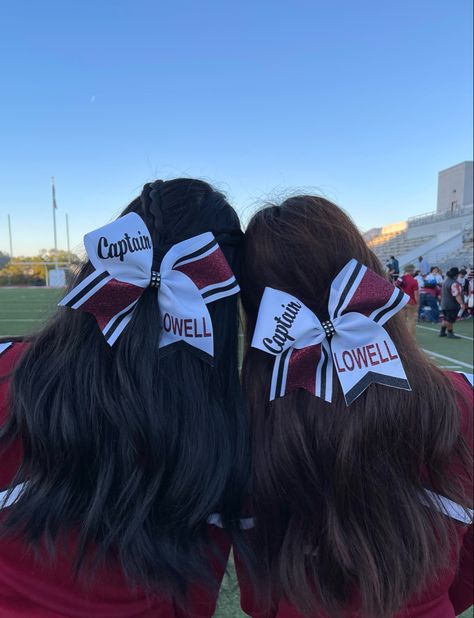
[(155, 280), (329, 329)]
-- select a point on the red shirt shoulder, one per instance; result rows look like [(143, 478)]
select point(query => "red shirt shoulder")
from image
[(462, 382), (11, 455)]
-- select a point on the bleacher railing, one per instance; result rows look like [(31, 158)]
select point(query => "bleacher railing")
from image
[(430, 217)]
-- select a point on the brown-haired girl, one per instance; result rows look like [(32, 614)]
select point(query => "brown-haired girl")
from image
[(362, 449)]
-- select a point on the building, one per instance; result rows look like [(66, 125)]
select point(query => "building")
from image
[(444, 237), (455, 187)]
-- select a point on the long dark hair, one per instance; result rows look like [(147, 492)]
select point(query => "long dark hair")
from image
[(132, 450), (336, 489)]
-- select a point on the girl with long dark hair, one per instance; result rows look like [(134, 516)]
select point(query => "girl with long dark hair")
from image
[(362, 449), (123, 444)]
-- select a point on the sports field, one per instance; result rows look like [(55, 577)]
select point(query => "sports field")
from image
[(22, 310)]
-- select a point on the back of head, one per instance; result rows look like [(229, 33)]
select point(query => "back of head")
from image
[(337, 489), (130, 448), (453, 272)]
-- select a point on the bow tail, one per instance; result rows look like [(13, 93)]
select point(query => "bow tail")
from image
[(374, 377), (309, 368), (324, 373), (109, 300), (364, 354)]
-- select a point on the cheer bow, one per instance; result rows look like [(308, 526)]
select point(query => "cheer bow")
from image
[(352, 340), (193, 273)]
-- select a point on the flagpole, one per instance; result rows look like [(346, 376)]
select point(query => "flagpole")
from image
[(67, 239), (53, 188), (10, 235)]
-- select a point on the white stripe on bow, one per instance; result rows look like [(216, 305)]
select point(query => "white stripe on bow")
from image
[(4, 346), (429, 498)]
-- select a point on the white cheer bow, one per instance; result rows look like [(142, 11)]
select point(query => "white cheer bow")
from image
[(352, 341), (193, 273)]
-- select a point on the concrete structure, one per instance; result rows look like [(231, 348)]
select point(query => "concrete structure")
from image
[(455, 187), (444, 237)]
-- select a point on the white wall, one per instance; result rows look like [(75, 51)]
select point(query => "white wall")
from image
[(442, 244), (450, 224), (455, 187)]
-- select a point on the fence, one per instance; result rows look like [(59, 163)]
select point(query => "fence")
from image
[(37, 274)]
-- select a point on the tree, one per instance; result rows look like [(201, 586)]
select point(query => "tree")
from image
[(4, 259), (32, 270)]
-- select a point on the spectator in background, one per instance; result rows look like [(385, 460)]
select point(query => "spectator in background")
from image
[(393, 268), (423, 266), (451, 302), (429, 294), (419, 279), (463, 280), (421, 282), (470, 291), (436, 273), (409, 285)]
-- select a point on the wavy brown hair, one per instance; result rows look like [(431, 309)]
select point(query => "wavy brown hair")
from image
[(336, 489)]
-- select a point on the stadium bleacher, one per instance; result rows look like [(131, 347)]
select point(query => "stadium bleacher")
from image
[(385, 245), (444, 238)]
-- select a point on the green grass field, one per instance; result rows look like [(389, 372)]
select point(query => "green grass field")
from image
[(22, 310)]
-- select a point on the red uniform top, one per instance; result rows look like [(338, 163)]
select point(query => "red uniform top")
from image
[(409, 285), (32, 588), (449, 594)]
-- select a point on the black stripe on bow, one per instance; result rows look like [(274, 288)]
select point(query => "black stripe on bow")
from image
[(88, 288), (197, 253), (346, 290)]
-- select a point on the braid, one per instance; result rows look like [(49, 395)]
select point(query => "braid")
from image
[(151, 206), (155, 205)]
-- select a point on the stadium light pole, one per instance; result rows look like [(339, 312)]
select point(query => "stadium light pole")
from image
[(55, 206), (10, 235), (53, 189), (67, 239)]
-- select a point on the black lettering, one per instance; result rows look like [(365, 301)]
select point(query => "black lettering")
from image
[(107, 250), (279, 320), (136, 244), (283, 324), (102, 241), (122, 245), (266, 342), (129, 244), (113, 250)]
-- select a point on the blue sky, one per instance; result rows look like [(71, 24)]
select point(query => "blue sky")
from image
[(363, 101)]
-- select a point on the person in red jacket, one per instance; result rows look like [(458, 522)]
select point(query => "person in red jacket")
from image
[(361, 486), (409, 285), (123, 441)]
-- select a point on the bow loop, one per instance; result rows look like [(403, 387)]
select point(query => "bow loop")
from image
[(121, 253), (194, 274), (359, 289)]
